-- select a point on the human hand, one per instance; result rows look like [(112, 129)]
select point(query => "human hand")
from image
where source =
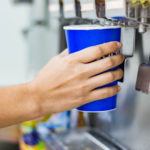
[(69, 81)]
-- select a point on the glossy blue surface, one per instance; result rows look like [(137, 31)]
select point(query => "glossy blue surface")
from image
[(80, 39)]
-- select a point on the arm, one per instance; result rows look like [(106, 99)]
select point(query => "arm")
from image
[(17, 104), (66, 82)]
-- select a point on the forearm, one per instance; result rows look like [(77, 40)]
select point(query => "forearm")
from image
[(17, 105)]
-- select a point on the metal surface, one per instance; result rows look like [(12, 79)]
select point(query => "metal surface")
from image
[(128, 43), (69, 8), (86, 6), (81, 139)]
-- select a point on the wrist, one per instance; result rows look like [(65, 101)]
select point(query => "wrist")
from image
[(34, 100)]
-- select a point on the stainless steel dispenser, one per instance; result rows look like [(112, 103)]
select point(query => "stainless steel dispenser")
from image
[(86, 6), (69, 8)]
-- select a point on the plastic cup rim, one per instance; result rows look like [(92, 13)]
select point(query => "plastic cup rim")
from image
[(89, 27)]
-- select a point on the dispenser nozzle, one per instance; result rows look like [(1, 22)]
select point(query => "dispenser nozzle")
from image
[(143, 78)]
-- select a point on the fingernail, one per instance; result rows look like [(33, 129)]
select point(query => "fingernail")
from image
[(119, 44)]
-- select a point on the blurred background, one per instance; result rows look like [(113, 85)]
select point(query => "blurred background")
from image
[(13, 57), (13, 47)]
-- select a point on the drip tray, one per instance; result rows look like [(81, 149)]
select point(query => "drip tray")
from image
[(79, 140), (82, 141)]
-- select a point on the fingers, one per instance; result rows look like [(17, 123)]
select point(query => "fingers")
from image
[(96, 52), (103, 65), (105, 78), (102, 93), (64, 53)]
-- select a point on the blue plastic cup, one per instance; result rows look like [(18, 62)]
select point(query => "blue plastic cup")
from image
[(79, 37)]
